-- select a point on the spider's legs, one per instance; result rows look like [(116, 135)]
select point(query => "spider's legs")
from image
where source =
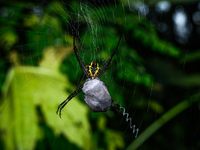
[(78, 56), (109, 60), (62, 105), (116, 106)]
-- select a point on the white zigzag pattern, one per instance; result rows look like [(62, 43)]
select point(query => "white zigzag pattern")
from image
[(137, 130)]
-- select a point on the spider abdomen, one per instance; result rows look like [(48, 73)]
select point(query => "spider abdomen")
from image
[(96, 95)]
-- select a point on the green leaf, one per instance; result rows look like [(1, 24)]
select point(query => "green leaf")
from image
[(27, 88), (18, 116)]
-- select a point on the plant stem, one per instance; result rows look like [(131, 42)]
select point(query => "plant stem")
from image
[(161, 121)]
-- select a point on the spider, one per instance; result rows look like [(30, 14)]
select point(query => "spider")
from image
[(95, 91)]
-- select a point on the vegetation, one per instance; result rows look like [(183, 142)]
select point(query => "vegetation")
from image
[(154, 77)]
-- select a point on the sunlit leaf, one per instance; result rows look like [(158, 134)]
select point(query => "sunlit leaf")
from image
[(18, 115), (27, 88)]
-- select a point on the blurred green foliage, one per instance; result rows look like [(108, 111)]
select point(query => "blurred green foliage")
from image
[(38, 37), (23, 93)]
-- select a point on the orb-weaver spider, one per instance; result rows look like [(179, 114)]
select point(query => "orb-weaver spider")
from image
[(95, 91)]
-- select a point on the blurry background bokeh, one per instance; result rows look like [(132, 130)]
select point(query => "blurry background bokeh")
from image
[(155, 74)]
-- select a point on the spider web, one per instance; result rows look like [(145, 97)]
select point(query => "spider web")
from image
[(95, 23)]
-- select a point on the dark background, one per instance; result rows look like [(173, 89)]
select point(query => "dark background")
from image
[(154, 74)]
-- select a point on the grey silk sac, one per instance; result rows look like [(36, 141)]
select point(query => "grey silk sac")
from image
[(96, 95)]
